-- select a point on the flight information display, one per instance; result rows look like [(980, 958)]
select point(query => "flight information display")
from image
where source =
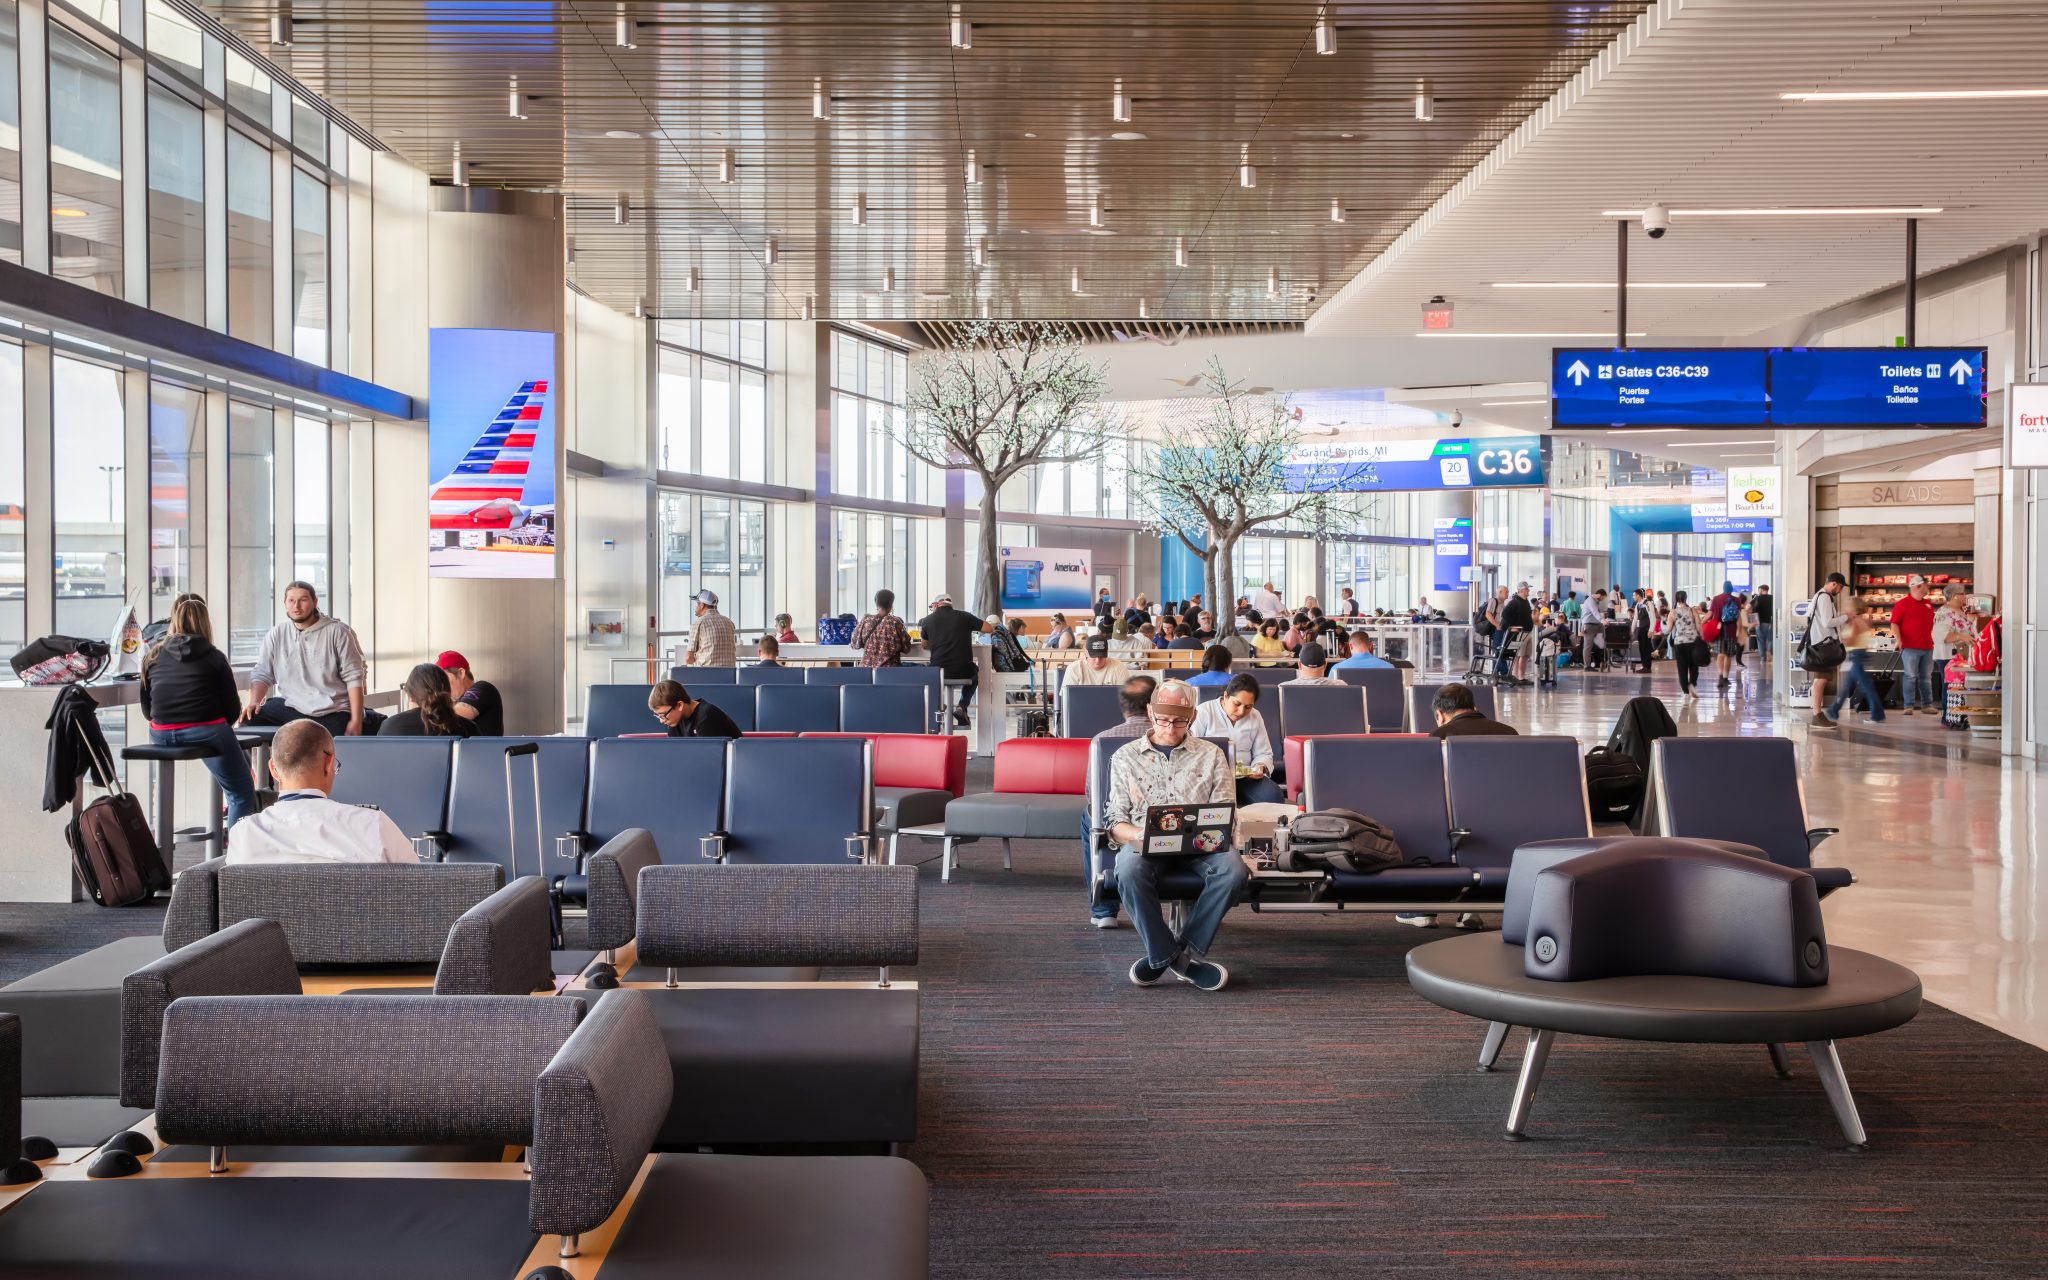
[(1362, 467), (1768, 387)]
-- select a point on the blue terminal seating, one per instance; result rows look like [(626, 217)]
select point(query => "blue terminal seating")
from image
[(839, 675), (771, 675), (1315, 709), (1088, 709), (736, 700), (1512, 791), (477, 802), (1422, 711), (873, 708), (612, 709), (687, 676), (1400, 781), (766, 820), (1178, 884), (1386, 704), (924, 676), (1692, 780), (796, 708), (405, 777), (672, 787)]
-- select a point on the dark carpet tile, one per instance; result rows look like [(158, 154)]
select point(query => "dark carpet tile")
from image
[(1316, 1118)]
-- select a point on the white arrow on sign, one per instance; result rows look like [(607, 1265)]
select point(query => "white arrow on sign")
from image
[(1577, 372), (1962, 372)]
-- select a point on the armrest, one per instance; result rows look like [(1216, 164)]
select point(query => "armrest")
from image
[(1815, 835)]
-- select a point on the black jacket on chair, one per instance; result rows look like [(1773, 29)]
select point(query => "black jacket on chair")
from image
[(76, 743)]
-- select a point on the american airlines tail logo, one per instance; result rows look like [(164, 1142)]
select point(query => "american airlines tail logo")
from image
[(486, 488)]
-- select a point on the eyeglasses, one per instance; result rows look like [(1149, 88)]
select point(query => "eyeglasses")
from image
[(1168, 722)]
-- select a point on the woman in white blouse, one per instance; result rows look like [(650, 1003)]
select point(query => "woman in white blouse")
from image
[(1235, 717)]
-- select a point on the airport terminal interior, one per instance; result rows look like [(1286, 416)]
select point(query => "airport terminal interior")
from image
[(1081, 640)]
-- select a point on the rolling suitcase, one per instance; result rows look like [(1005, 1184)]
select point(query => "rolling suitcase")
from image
[(113, 849), (531, 750)]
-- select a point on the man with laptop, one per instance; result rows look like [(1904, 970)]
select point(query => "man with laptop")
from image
[(1171, 803)]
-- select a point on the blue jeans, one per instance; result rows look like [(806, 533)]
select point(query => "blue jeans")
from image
[(1854, 679), (1920, 690), (229, 767), (1098, 910), (1763, 640), (1137, 882)]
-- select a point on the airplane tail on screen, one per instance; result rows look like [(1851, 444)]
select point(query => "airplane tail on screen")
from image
[(487, 487)]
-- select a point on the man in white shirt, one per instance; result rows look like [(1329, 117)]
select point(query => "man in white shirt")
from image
[(310, 666), (1268, 602), (304, 825), (1095, 666)]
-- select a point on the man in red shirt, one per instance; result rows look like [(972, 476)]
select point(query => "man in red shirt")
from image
[(1913, 623)]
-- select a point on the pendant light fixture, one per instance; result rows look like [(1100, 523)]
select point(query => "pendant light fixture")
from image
[(821, 102), (281, 27), (1326, 32), (625, 31), (1247, 172), (1095, 210), (888, 279), (981, 251), (1272, 282), (771, 253), (1336, 210), (727, 165), (694, 280), (810, 311), (961, 30), (973, 169), (860, 209), (1425, 101), (1180, 251), (622, 210), (1119, 105)]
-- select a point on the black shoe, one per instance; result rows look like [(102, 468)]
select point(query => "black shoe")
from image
[(1144, 975)]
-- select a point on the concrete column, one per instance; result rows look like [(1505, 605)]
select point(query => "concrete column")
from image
[(495, 262)]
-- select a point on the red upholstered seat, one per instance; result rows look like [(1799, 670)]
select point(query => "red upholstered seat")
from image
[(1042, 766), (925, 761)]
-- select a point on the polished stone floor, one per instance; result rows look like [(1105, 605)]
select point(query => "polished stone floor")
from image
[(1946, 850)]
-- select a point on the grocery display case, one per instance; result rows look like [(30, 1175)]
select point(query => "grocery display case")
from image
[(1878, 578)]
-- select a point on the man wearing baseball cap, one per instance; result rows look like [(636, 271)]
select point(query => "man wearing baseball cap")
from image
[(1094, 666), (1913, 624), (1168, 766), (948, 636), (476, 701), (714, 641), (1314, 663)]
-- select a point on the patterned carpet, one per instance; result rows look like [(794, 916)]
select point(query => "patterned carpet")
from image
[(1317, 1119)]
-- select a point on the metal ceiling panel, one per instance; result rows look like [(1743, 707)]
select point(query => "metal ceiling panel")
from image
[(1031, 99)]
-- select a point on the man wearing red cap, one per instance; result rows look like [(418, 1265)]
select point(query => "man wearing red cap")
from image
[(475, 700)]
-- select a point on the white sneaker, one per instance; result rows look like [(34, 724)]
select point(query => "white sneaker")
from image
[(1419, 921), (1103, 922), (1471, 920)]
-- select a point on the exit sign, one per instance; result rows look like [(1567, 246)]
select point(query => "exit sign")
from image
[(1436, 315)]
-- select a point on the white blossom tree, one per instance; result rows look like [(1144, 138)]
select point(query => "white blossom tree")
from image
[(1226, 464), (1004, 396)]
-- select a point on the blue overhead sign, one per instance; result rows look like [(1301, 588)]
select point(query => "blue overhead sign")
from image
[(1768, 387), (1722, 386), (1878, 387)]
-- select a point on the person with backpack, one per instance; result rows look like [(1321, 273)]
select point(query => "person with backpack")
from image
[(1821, 649), (1726, 614), (881, 637), (1688, 650), (188, 695)]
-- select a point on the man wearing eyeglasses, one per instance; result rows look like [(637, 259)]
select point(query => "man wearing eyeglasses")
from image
[(1167, 766), (305, 824), (683, 718)]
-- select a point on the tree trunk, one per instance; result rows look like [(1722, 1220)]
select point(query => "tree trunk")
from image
[(988, 596), (1225, 553)]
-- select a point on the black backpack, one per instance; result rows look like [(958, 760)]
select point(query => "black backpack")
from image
[(1614, 784), (1340, 840), (1008, 655)]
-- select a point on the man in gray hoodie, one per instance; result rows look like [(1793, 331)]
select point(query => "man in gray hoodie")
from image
[(314, 664)]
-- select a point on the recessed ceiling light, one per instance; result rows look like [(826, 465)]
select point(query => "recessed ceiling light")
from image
[(1633, 284), (1843, 211), (67, 212), (620, 133), (1123, 135), (1030, 135), (1347, 135), (1101, 231), (1910, 95), (936, 295)]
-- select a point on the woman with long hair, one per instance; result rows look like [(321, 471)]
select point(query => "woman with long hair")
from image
[(432, 714), (188, 692)]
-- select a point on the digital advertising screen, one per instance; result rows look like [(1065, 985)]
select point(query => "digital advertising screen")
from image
[(1451, 553), (1367, 465), (1045, 580), (491, 453)]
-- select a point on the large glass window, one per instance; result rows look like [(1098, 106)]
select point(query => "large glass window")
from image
[(87, 474), (252, 529), (309, 267), (711, 408), (310, 533), (172, 37), (870, 387), (871, 551), (177, 493), (249, 88), (250, 301), (85, 163), (13, 496), (10, 137), (177, 201), (715, 542)]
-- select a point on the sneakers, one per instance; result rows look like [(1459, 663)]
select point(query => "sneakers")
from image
[(1470, 920), (1103, 922), (1144, 975), (1203, 975), (1822, 720), (1419, 921)]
